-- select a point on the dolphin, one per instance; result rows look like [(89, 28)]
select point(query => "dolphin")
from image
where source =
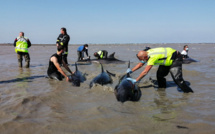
[(127, 91), (103, 78), (77, 77), (189, 60), (110, 59)]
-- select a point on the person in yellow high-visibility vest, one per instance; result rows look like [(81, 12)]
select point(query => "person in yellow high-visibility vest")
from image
[(168, 59), (21, 45), (102, 54)]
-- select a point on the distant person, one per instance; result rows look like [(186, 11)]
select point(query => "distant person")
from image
[(81, 50), (63, 40), (184, 53), (168, 59), (54, 70), (147, 48), (102, 54), (21, 45)]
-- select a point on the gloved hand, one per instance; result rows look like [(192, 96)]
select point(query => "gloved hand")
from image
[(132, 80), (129, 71)]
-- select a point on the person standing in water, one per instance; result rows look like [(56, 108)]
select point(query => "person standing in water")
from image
[(21, 45), (184, 53), (168, 59), (63, 40), (54, 70)]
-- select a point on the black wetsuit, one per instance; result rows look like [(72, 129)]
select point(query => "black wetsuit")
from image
[(64, 38), (52, 70)]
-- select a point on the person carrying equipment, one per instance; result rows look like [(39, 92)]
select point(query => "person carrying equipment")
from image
[(168, 59), (54, 70), (21, 45), (63, 39), (81, 50), (102, 54)]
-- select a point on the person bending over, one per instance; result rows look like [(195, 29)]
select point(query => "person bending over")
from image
[(168, 59), (81, 50), (54, 70), (102, 54)]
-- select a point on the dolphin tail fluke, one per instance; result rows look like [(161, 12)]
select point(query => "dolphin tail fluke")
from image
[(110, 73)]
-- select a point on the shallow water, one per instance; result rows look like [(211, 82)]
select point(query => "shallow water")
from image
[(30, 103)]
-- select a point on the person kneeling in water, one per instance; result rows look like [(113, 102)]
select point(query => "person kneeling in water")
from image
[(102, 54), (54, 70)]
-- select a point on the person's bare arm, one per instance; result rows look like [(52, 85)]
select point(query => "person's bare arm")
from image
[(139, 65), (144, 72), (66, 67), (57, 65)]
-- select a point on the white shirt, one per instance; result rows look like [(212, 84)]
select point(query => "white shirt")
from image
[(184, 52)]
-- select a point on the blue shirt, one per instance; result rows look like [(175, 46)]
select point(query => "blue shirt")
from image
[(80, 49)]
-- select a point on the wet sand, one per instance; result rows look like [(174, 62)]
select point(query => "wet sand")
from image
[(30, 103)]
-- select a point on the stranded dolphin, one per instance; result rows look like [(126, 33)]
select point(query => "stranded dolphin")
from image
[(77, 77), (110, 59), (126, 90), (188, 60), (103, 78)]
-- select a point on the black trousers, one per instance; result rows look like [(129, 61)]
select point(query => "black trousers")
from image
[(80, 55), (56, 76), (176, 72), (64, 57)]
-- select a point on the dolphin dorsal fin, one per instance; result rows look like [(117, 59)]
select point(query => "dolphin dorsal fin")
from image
[(102, 67), (128, 75), (76, 67), (111, 55)]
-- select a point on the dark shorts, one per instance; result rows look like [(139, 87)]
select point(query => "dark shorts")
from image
[(56, 76)]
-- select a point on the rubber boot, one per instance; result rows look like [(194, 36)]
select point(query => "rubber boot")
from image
[(27, 64), (20, 63)]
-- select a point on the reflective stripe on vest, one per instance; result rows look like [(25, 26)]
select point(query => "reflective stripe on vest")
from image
[(165, 55), (21, 45), (100, 54), (160, 56)]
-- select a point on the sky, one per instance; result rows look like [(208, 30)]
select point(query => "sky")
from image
[(109, 21)]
